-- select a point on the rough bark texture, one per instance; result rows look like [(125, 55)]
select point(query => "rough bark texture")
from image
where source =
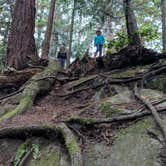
[(21, 44), (46, 43), (131, 24), (163, 10)]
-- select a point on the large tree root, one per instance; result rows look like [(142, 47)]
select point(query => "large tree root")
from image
[(123, 118), (61, 131), (153, 110), (32, 89)]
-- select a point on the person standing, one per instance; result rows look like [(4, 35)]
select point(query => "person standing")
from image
[(99, 42), (62, 56)]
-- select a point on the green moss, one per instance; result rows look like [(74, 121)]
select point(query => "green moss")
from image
[(72, 147), (108, 110), (21, 151), (133, 146), (46, 158), (25, 103)]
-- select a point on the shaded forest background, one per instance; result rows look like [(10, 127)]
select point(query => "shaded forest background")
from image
[(91, 15)]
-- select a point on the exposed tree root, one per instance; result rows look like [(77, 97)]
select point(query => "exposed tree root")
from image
[(60, 131), (123, 118), (153, 110), (32, 89)]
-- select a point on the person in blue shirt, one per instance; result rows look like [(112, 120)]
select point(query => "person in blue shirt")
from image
[(99, 42)]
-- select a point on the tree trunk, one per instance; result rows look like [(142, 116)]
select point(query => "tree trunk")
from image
[(131, 24), (163, 10), (71, 33), (46, 42), (21, 43), (54, 40)]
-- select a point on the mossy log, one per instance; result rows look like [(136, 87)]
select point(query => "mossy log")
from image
[(61, 131), (32, 88)]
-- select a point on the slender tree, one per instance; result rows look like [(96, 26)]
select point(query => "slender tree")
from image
[(131, 24), (21, 42), (47, 38), (71, 32), (163, 10)]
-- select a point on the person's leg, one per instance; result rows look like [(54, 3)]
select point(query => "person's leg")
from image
[(97, 50), (63, 63), (100, 50)]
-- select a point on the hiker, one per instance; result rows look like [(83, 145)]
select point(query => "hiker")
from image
[(99, 42), (62, 56)]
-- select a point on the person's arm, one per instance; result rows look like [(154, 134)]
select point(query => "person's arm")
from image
[(58, 56)]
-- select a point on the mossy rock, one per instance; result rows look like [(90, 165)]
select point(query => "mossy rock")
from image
[(50, 154), (134, 147), (128, 97)]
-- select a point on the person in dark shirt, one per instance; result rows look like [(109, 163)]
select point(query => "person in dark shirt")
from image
[(62, 56)]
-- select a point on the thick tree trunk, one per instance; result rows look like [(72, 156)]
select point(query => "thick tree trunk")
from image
[(131, 24), (46, 42), (21, 43), (71, 33), (163, 10)]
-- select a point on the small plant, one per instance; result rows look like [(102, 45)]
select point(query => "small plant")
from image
[(35, 148), (108, 110), (120, 41), (21, 151)]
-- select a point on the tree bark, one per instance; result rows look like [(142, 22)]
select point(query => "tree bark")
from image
[(46, 42), (21, 42), (131, 24), (71, 33), (163, 10)]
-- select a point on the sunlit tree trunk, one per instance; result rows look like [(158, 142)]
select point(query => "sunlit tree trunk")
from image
[(21, 42), (163, 10), (47, 38), (131, 24), (71, 33)]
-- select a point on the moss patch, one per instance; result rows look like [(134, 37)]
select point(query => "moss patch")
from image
[(72, 147), (21, 151), (133, 146), (108, 109)]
